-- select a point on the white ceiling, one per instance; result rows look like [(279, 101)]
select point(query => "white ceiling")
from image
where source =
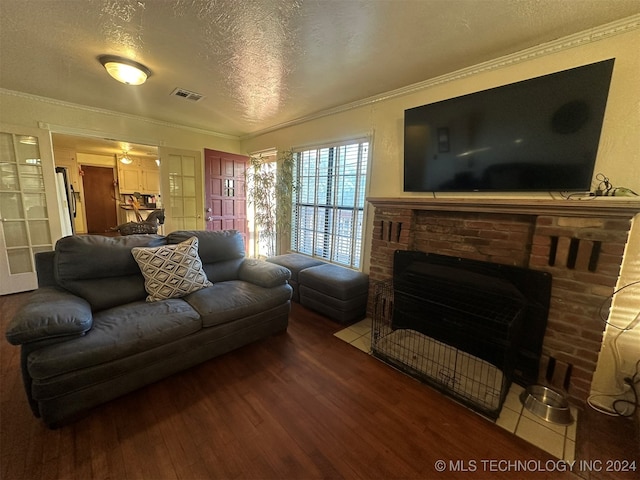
[(262, 63)]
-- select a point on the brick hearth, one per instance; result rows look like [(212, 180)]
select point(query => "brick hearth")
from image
[(581, 244)]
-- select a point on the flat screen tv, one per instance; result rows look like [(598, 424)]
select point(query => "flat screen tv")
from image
[(540, 134)]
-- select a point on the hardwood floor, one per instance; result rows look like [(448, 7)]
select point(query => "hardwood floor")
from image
[(299, 405)]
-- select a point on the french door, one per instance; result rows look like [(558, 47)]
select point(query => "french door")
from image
[(30, 214), (182, 192)]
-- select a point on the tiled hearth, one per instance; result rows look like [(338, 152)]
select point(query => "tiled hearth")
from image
[(559, 441)]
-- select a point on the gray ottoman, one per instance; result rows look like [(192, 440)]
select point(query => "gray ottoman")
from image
[(337, 292), (295, 262)]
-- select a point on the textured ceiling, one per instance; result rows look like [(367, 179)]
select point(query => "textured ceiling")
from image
[(261, 63)]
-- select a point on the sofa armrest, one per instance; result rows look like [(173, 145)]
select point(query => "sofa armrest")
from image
[(50, 313), (263, 273)]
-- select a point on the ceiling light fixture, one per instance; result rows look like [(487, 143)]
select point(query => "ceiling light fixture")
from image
[(28, 140), (125, 70), (126, 159)]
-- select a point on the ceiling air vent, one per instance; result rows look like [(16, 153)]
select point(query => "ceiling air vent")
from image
[(188, 95)]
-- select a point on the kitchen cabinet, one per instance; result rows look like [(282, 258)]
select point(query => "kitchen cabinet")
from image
[(129, 179), (142, 175)]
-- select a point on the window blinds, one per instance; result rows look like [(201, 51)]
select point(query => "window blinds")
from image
[(328, 207)]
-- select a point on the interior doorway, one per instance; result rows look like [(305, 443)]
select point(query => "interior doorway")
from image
[(100, 199), (77, 152)]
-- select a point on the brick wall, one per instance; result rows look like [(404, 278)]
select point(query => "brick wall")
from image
[(583, 254), (498, 238), (391, 231)]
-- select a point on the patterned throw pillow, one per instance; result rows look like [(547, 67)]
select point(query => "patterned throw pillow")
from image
[(171, 271)]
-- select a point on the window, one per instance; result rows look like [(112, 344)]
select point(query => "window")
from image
[(328, 204)]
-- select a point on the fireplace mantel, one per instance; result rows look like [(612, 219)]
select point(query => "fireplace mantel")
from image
[(595, 206)]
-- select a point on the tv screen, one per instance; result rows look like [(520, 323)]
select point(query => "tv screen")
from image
[(540, 134)]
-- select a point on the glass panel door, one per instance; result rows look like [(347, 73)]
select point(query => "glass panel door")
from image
[(27, 199), (182, 189)]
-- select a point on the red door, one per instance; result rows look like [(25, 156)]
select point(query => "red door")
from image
[(225, 195)]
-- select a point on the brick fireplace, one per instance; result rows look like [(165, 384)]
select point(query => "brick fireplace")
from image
[(580, 243)]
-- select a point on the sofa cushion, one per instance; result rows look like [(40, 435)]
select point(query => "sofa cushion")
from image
[(213, 246), (171, 271), (227, 301), (118, 332), (101, 269), (221, 251)]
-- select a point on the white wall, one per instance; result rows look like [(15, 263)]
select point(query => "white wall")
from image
[(618, 155)]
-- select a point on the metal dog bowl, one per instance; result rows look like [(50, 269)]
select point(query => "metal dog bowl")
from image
[(547, 404)]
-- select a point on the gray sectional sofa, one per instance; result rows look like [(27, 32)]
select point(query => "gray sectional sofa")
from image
[(88, 335)]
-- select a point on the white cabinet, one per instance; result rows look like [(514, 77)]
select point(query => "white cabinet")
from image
[(143, 176), (129, 179), (150, 176)]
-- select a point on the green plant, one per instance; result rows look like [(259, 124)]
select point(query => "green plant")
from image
[(270, 189), (285, 188)]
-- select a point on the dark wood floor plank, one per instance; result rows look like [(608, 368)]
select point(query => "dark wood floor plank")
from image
[(302, 404), (296, 414), (180, 450)]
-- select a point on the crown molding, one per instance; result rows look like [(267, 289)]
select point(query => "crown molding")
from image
[(103, 111), (595, 34)]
